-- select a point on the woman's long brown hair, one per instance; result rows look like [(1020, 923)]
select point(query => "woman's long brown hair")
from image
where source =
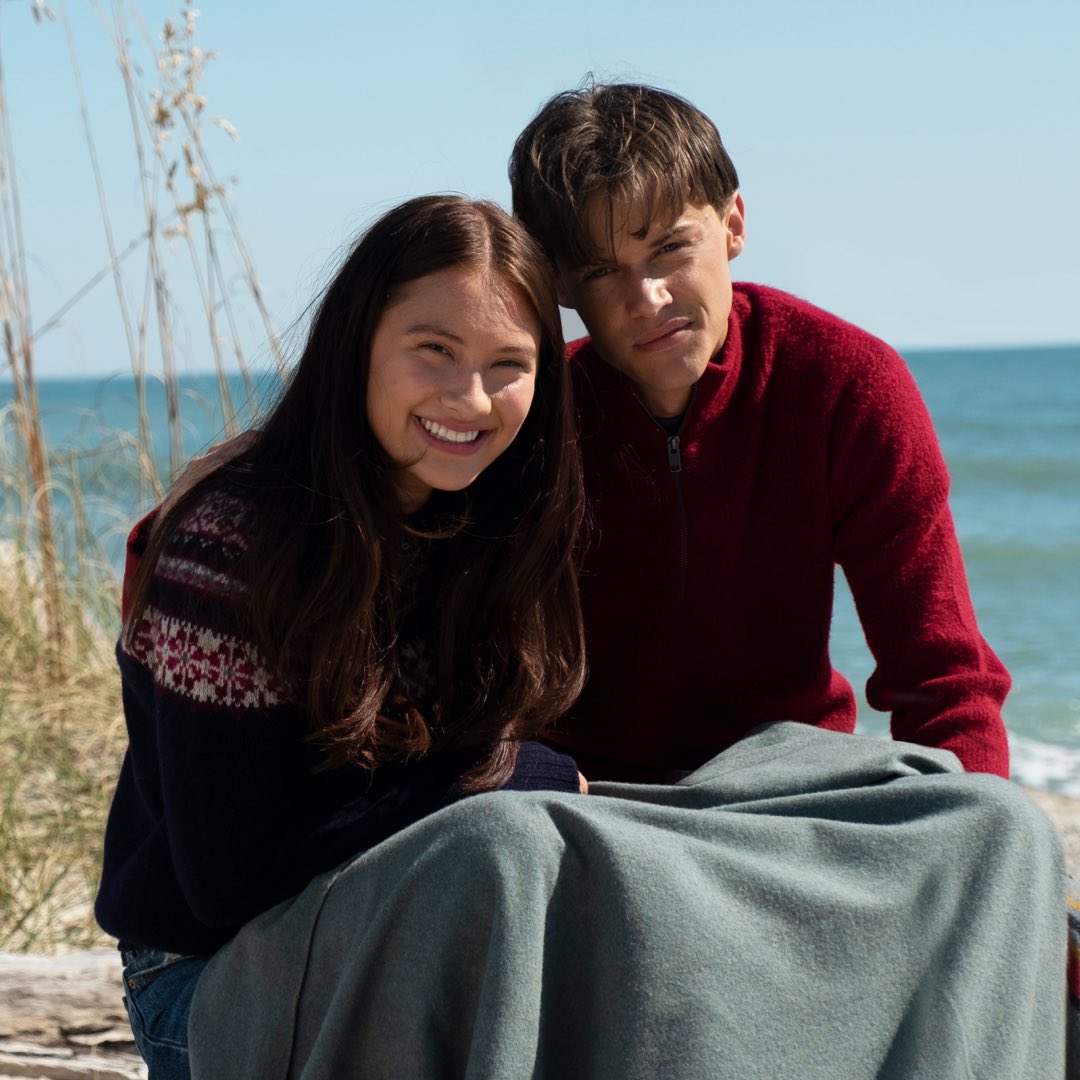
[(324, 567)]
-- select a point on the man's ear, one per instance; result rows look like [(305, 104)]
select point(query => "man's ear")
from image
[(564, 285), (562, 289), (735, 223)]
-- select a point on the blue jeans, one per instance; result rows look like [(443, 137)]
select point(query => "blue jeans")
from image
[(158, 989)]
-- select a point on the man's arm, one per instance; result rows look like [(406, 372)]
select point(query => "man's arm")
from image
[(895, 539)]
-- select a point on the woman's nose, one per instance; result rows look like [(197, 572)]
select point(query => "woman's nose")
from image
[(466, 394)]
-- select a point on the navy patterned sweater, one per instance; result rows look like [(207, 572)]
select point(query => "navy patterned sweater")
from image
[(218, 813)]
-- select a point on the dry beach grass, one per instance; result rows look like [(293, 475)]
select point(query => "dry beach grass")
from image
[(61, 732), (61, 739)]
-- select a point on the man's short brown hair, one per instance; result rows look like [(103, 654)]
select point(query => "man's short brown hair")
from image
[(639, 146)]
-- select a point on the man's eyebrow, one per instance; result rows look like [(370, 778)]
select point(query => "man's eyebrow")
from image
[(449, 335), (676, 230)]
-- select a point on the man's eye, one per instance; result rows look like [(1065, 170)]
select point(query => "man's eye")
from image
[(596, 273), (667, 249)]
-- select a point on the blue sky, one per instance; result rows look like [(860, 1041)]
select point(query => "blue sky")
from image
[(914, 167)]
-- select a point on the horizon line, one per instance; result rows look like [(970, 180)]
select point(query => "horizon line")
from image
[(258, 371)]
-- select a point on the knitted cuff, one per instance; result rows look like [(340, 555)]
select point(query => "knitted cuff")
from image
[(539, 768)]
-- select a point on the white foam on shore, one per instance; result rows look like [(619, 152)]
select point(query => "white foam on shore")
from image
[(1037, 764)]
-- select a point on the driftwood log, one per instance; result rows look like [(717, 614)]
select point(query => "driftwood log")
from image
[(62, 1017)]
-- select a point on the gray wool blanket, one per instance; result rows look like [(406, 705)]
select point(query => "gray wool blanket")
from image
[(808, 904)]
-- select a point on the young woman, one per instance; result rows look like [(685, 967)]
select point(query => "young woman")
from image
[(356, 614)]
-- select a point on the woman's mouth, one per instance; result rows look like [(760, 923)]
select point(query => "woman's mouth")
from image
[(451, 440), (440, 431)]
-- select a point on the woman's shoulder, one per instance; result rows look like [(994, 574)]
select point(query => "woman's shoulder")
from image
[(210, 536), (191, 634), (198, 561)]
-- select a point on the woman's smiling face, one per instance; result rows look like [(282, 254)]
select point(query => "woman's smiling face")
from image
[(453, 370)]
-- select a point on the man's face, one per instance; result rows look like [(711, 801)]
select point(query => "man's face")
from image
[(657, 306)]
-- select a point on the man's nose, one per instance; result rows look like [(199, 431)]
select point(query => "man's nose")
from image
[(648, 295)]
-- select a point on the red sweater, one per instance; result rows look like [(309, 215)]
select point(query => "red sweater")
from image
[(707, 582)]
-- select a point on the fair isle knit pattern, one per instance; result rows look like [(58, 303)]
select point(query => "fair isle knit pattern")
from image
[(205, 663), (200, 664)]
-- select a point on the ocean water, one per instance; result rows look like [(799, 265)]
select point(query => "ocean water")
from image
[(1009, 425), (91, 425)]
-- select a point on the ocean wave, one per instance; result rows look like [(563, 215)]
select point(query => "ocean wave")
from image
[(1041, 765)]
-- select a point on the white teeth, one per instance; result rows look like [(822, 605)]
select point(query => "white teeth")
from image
[(446, 434)]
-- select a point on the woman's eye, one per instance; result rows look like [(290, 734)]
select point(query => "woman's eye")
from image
[(436, 346)]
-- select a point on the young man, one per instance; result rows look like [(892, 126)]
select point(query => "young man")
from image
[(738, 443)]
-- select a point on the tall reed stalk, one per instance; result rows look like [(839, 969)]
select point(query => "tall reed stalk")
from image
[(15, 315), (61, 732)]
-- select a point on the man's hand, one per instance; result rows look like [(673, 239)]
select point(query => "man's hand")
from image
[(583, 784)]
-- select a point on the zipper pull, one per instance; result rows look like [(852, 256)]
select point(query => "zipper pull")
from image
[(674, 460)]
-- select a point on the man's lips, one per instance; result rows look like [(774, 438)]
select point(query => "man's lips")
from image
[(658, 337)]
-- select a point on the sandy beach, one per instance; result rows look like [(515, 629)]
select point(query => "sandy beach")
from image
[(1064, 812)]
